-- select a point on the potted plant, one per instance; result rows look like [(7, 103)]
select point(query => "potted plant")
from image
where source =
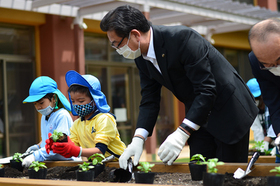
[(196, 167), (2, 171), (211, 177), (16, 161), (59, 136), (96, 160), (144, 175), (274, 180), (37, 170), (85, 172)]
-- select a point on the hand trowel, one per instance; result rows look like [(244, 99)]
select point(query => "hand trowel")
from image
[(239, 173)]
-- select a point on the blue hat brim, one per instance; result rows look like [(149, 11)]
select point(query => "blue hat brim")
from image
[(74, 78)]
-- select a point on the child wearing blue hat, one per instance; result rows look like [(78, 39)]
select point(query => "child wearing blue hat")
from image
[(53, 105), (95, 131), (261, 127)]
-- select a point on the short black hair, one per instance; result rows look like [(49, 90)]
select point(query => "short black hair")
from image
[(80, 89), (123, 19)]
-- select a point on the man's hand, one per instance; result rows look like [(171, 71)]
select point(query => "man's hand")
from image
[(28, 160), (66, 149), (49, 143), (32, 148), (135, 148), (172, 146)]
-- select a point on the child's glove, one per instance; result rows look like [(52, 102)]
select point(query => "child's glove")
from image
[(66, 149), (49, 143), (32, 148), (28, 160)]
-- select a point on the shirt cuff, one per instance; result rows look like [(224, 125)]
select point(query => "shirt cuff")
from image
[(191, 124), (141, 131)]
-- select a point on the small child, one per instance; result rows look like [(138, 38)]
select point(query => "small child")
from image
[(95, 131), (53, 105)]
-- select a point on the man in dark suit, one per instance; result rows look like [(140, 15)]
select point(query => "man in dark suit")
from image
[(264, 38), (218, 105)]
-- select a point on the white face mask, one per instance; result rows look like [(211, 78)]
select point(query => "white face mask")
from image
[(46, 111), (275, 70), (127, 52)]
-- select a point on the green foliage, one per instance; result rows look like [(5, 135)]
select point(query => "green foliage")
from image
[(277, 170), (17, 157), (56, 135), (211, 165), (96, 158), (258, 145), (145, 166), (198, 158), (85, 167), (36, 165), (1, 166)]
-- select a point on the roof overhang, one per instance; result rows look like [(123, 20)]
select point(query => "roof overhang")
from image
[(205, 16)]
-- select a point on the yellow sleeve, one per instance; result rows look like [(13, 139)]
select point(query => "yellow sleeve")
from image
[(74, 135)]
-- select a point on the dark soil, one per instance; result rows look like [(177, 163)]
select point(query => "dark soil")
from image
[(68, 173)]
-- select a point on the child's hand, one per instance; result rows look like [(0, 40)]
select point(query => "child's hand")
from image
[(49, 143), (66, 149)]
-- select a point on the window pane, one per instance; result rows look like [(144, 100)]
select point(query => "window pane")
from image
[(22, 131), (15, 39), (95, 47), (2, 114)]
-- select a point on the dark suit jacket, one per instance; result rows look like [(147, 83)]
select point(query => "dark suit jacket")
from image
[(214, 95), (270, 88)]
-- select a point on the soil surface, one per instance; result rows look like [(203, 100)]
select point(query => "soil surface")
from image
[(68, 173)]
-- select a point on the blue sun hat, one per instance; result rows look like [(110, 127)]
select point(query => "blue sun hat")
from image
[(42, 86), (92, 83), (254, 87)]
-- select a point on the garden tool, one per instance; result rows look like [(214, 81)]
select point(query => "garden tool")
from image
[(7, 159), (239, 173), (122, 175)]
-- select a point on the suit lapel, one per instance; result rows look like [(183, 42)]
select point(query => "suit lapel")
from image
[(161, 55)]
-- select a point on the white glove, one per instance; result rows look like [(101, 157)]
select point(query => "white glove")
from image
[(265, 146), (172, 146), (32, 148), (277, 142), (135, 148), (28, 160)]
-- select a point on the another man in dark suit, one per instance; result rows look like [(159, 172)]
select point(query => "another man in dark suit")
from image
[(219, 106), (264, 38)]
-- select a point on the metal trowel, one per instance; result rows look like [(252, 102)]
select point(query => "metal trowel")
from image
[(239, 173)]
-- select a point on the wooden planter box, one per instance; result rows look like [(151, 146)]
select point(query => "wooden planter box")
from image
[(260, 169)]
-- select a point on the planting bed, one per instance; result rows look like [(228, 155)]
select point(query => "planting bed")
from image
[(56, 173)]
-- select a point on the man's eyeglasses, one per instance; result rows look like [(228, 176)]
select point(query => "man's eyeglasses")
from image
[(262, 67), (117, 47)]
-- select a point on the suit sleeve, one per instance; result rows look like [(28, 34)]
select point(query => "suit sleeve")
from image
[(197, 65), (150, 102), (270, 91)]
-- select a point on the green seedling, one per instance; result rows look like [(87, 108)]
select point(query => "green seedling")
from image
[(277, 170), (56, 135), (85, 167), (212, 165), (259, 145), (96, 158), (145, 166), (36, 165), (198, 158), (17, 157), (1, 166)]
